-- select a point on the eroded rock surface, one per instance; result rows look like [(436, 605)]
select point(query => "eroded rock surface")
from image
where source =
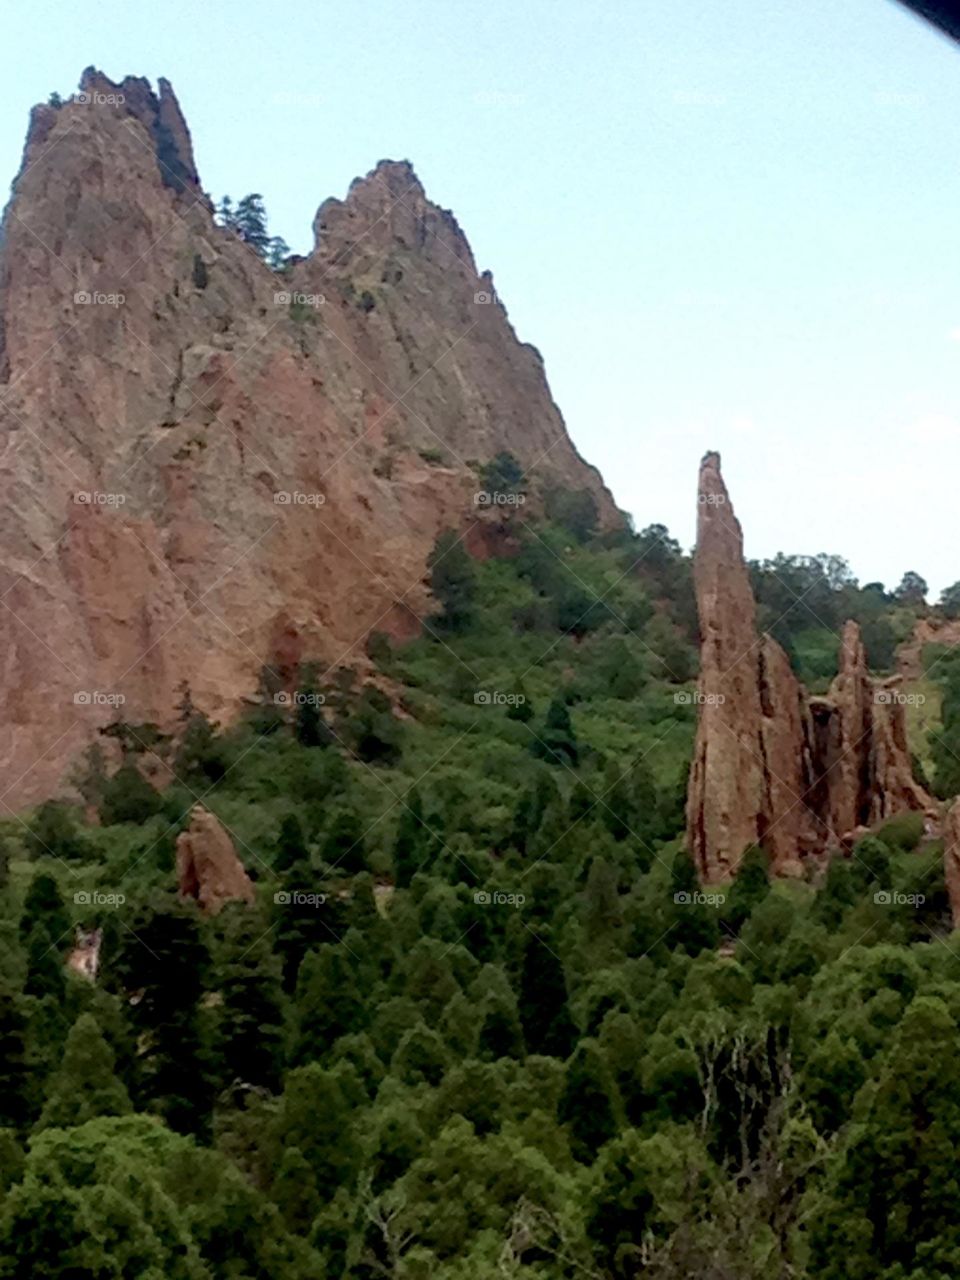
[(772, 765), (208, 869), (201, 459)]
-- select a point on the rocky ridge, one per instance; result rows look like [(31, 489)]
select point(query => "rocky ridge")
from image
[(205, 466), (772, 765)]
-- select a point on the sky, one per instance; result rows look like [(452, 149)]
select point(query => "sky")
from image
[(725, 226)]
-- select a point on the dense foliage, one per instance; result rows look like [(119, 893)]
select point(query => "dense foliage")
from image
[(481, 1020)]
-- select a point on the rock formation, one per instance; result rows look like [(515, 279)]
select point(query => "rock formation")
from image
[(206, 466), (208, 869), (772, 765), (951, 859)]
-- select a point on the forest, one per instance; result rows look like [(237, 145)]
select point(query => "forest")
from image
[(481, 1020)]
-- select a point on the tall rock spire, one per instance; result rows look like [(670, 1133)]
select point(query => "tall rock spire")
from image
[(773, 766)]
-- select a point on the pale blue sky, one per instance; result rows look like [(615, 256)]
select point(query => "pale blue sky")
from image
[(726, 225)]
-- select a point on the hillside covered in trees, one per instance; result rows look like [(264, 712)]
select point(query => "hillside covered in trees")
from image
[(480, 1020)]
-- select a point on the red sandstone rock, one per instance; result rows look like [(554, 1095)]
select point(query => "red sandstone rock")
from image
[(208, 868), (773, 766), (190, 407), (951, 859)]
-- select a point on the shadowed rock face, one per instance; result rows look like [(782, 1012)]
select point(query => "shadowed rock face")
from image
[(148, 437), (951, 859), (772, 765), (208, 869)]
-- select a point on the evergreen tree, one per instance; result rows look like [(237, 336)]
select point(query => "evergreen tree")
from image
[(547, 1025), (44, 907), (15, 1083), (342, 848), (413, 842), (163, 961), (749, 888), (557, 742), (694, 926), (310, 728), (85, 1085), (251, 223), (250, 1018), (452, 581), (129, 797), (589, 1105), (277, 252), (291, 844)]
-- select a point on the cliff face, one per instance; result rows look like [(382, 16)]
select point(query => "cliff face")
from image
[(772, 765), (206, 466)]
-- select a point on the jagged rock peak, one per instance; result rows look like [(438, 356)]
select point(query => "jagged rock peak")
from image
[(388, 209)]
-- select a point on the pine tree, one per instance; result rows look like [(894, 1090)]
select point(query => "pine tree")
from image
[(250, 1018), (556, 741), (277, 252), (589, 1104), (14, 1073), (85, 1085), (452, 581), (342, 848), (251, 223), (547, 1025), (749, 888), (309, 726), (413, 842), (694, 927), (43, 906)]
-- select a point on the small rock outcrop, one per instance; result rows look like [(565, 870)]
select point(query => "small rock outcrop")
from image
[(772, 765), (208, 869), (951, 859)]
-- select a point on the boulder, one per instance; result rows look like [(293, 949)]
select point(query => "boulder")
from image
[(208, 869)]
